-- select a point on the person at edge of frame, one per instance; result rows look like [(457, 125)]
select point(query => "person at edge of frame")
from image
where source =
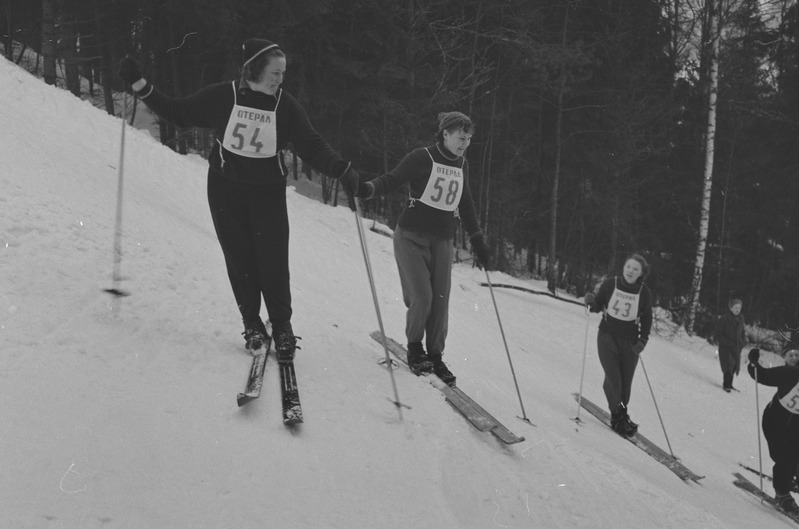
[(781, 421)]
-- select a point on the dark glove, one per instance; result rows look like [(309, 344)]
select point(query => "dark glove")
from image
[(638, 347), (480, 250), (754, 356), (365, 190), (129, 70), (350, 180), (589, 298)]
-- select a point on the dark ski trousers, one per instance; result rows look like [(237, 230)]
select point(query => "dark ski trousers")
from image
[(619, 363), (252, 226), (781, 429), (425, 270)]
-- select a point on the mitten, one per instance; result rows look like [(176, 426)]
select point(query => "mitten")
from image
[(129, 71), (638, 347), (365, 190), (350, 180), (754, 356), (480, 249), (589, 298)]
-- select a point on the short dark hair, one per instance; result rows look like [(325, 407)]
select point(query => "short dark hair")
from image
[(642, 261), (451, 122)]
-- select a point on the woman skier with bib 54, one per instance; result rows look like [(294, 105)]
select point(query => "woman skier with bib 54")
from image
[(253, 120)]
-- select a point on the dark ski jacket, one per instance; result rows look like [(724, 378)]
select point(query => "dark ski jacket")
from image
[(210, 108), (636, 330), (784, 378), (414, 170), (730, 334)]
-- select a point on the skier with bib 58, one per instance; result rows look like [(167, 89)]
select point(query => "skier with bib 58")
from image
[(438, 193)]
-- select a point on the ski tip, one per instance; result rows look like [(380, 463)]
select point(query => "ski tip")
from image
[(243, 398), (116, 292)]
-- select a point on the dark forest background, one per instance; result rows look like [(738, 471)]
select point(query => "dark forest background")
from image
[(591, 117)]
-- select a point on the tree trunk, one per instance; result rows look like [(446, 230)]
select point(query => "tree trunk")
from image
[(106, 60), (485, 177), (710, 138), (553, 226), (8, 40), (49, 41), (69, 51), (722, 234)]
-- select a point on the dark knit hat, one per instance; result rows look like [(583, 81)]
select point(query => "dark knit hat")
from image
[(735, 301), (789, 346), (447, 120), (252, 48)]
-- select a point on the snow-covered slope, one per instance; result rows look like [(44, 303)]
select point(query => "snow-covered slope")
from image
[(122, 414)]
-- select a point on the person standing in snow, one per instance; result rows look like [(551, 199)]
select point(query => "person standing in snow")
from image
[(438, 189), (731, 338), (626, 306), (253, 119), (781, 420)]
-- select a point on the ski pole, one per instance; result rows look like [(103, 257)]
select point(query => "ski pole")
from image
[(507, 351), (657, 409), (362, 236), (117, 277), (757, 413), (582, 371)]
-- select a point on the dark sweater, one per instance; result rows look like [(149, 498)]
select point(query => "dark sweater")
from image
[(210, 108), (636, 330), (784, 378), (418, 217), (730, 333)]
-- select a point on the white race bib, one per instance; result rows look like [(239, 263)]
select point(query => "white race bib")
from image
[(251, 132), (444, 187), (623, 306), (791, 400)]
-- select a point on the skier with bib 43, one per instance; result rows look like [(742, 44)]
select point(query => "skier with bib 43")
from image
[(626, 306), (253, 120), (781, 420), (438, 187)]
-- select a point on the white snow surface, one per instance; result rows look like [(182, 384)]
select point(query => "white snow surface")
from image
[(122, 413)]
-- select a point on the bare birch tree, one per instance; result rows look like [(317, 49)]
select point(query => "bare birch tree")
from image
[(710, 140)]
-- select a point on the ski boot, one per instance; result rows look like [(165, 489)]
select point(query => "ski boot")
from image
[(441, 370), (255, 335), (285, 342), (787, 504), (727, 382), (418, 361), (632, 428), (620, 422)]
